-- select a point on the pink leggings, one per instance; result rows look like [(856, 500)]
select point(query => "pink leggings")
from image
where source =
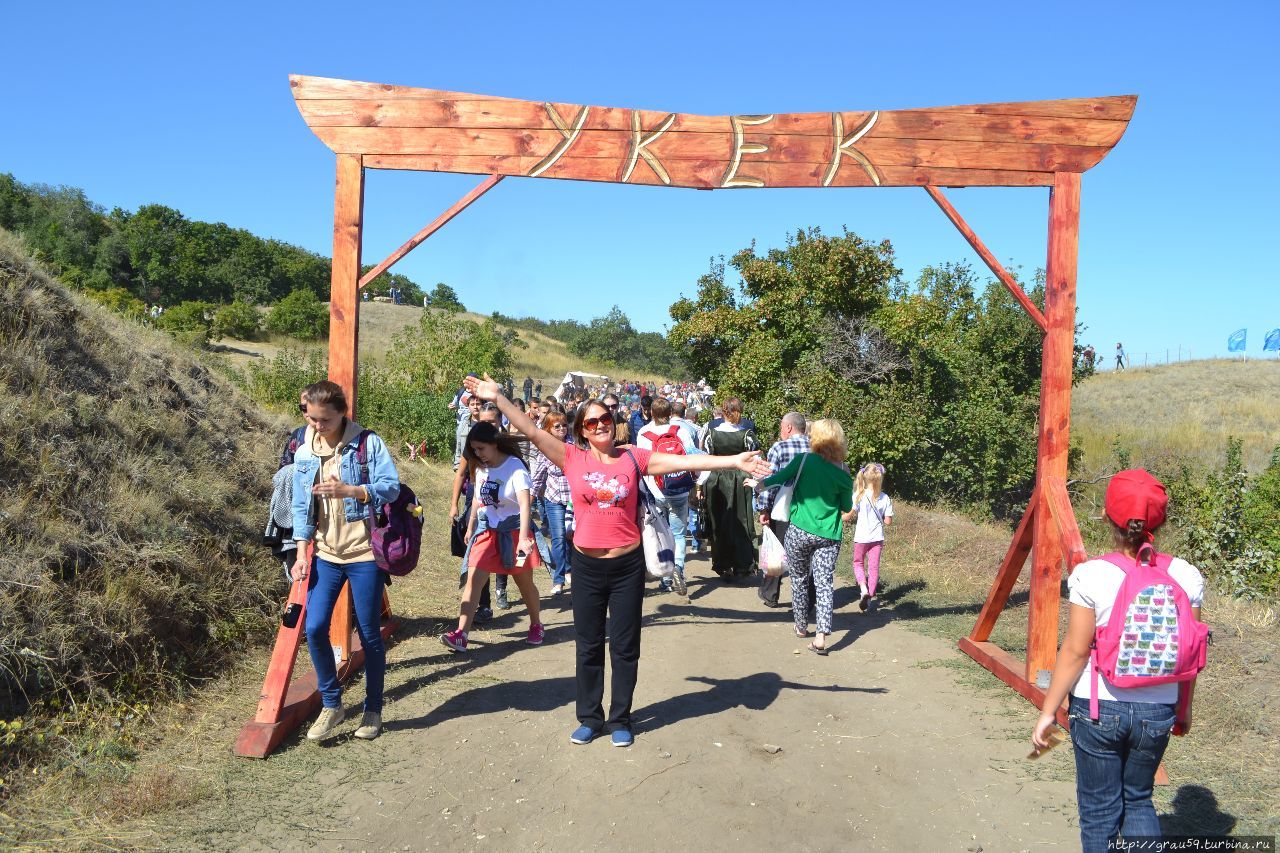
[(870, 551)]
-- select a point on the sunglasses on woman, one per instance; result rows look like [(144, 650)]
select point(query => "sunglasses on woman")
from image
[(592, 423)]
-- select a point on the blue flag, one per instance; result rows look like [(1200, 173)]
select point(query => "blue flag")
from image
[(1272, 341), (1235, 343)]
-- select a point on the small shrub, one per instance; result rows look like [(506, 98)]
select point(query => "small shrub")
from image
[(120, 301), (300, 315), (278, 382), (1225, 520), (189, 322), (237, 320)]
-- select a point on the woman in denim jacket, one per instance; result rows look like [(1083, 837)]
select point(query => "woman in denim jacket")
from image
[(331, 508)]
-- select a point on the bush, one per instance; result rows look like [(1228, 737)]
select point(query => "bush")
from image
[(189, 322), (237, 320), (300, 315), (120, 301), (278, 382), (400, 412), (1226, 524)]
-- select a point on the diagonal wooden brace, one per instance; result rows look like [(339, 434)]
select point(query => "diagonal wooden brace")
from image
[(989, 259), (1007, 574), (435, 225)]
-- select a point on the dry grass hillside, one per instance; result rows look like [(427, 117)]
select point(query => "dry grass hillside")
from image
[(1185, 410), (545, 359), (132, 491)]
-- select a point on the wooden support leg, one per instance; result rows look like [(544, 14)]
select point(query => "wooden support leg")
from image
[(1055, 419), (1007, 575), (340, 633)]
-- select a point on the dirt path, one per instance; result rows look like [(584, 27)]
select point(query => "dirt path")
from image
[(881, 749)]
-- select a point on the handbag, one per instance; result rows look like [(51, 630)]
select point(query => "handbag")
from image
[(457, 536), (782, 503), (655, 532)]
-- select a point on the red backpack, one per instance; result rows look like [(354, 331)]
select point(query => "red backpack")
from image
[(395, 529), (680, 482), (1152, 637)]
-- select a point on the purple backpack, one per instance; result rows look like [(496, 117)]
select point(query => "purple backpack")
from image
[(395, 529)]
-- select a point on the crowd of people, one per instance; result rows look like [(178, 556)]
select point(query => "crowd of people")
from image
[(559, 482)]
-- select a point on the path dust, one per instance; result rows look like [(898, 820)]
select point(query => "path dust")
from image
[(744, 741)]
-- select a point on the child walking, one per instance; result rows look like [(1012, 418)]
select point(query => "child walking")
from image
[(1120, 733), (874, 511), (502, 506)]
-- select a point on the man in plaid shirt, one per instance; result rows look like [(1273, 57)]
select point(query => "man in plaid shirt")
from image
[(792, 442)]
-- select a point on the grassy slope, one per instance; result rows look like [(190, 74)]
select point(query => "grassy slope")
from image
[(1186, 410), (546, 359), (131, 500)]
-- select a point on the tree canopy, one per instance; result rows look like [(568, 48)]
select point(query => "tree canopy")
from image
[(937, 379)]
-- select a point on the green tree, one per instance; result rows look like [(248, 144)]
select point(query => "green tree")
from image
[(436, 354), (608, 338), (939, 379), (190, 322), (444, 297), (237, 320), (300, 315)]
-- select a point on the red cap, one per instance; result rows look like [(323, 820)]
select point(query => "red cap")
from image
[(1134, 493)]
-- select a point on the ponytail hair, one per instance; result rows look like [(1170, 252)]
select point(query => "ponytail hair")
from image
[(870, 482), (1135, 536)]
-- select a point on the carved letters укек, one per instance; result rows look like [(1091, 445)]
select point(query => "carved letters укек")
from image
[(641, 139)]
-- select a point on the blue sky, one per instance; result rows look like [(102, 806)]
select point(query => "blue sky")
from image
[(189, 105)]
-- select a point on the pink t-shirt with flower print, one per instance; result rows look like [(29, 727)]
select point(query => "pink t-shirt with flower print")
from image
[(604, 497)]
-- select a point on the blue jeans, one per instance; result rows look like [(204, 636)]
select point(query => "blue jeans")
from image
[(553, 513), (366, 595), (1116, 760), (677, 509), (695, 524)]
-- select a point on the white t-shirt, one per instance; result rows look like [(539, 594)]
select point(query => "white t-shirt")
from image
[(496, 489), (1095, 584), (871, 516)]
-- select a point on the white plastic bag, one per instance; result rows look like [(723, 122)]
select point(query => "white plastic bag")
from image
[(659, 544), (773, 559)]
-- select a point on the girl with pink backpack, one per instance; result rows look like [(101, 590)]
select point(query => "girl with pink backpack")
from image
[(1133, 647)]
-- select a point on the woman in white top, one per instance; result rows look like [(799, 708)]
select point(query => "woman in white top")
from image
[(1118, 753), (501, 506), (874, 512)]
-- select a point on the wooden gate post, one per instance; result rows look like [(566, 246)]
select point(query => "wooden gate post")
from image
[(344, 335), (1055, 419), (344, 293)]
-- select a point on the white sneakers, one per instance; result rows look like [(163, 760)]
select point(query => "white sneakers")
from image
[(370, 726), (326, 725)]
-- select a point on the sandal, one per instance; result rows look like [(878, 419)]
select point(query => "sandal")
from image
[(802, 634), (818, 650)]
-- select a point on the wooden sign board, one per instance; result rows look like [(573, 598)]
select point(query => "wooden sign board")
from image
[(1013, 144)]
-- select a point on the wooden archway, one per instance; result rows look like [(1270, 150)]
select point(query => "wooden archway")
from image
[(1028, 144)]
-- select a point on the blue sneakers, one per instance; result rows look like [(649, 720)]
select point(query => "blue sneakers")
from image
[(583, 734), (622, 737)]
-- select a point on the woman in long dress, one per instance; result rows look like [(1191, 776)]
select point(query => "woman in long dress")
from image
[(730, 515)]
